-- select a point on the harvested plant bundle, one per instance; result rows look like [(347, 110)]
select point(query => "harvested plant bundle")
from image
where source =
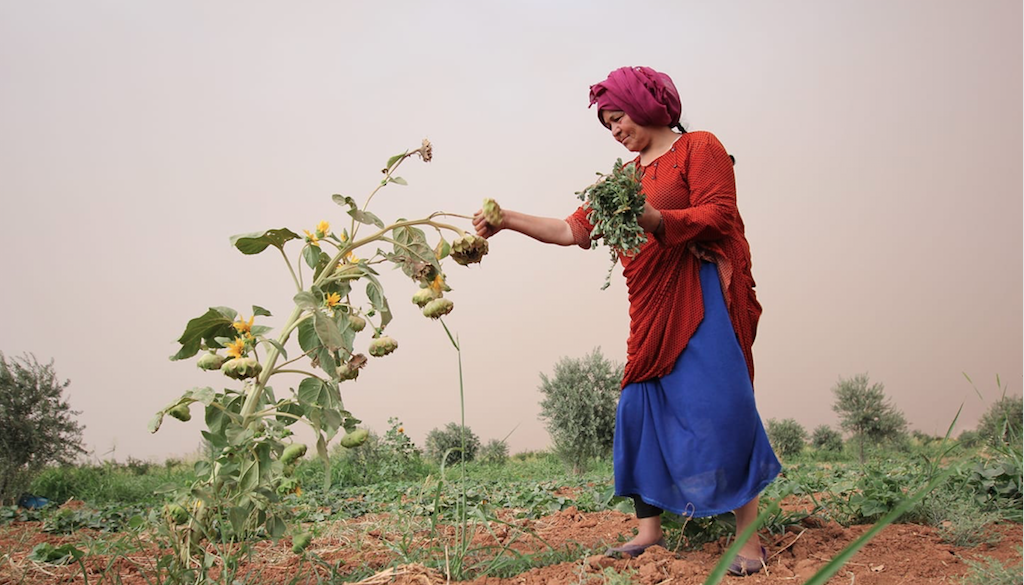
[(614, 205)]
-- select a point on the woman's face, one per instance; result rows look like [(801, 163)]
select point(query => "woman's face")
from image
[(627, 132)]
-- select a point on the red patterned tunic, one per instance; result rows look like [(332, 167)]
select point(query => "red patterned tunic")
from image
[(694, 187)]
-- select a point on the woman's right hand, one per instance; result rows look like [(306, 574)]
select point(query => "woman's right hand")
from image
[(483, 228)]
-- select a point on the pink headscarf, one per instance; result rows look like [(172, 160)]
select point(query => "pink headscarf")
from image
[(647, 96)]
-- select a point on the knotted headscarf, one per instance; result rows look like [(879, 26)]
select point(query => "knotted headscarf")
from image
[(647, 96)]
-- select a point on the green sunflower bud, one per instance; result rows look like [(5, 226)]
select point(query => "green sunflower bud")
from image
[(469, 249), (348, 372), (181, 412), (210, 361), (424, 296), (356, 323), (382, 346), (438, 308), (355, 438), (293, 452), (300, 542), (492, 212), (176, 514), (241, 368)]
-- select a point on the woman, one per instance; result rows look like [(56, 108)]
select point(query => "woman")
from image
[(688, 438)]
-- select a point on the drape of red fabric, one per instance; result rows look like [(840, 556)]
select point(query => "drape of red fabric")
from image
[(694, 187)]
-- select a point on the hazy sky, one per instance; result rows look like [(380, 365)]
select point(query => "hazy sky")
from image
[(879, 173)]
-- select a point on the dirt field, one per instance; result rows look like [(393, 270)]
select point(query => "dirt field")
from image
[(902, 554)]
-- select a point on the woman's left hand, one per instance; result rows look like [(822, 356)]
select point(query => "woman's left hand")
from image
[(651, 220)]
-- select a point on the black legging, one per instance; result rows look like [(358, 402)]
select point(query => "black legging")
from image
[(645, 510)]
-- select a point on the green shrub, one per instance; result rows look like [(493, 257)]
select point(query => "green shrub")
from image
[(969, 439), (787, 436), (391, 457), (825, 438), (923, 439), (1001, 423), (495, 452), (108, 483), (446, 445)]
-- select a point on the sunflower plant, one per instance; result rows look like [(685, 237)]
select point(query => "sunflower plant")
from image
[(324, 341)]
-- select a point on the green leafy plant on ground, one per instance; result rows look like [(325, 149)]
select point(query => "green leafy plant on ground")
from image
[(990, 571)]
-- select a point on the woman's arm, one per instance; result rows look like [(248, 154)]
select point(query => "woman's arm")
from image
[(712, 212), (549, 230)]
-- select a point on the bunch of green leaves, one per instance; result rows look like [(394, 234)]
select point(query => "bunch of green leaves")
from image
[(614, 205)]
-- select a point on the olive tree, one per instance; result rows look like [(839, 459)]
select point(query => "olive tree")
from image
[(865, 412), (579, 407), (37, 425)]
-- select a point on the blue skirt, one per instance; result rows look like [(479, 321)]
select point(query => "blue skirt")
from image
[(692, 442)]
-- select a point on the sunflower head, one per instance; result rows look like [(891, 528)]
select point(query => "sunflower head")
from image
[(333, 300), (313, 239), (244, 327), (236, 348), (439, 286), (426, 151)]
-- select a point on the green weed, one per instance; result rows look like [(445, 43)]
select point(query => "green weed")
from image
[(992, 572)]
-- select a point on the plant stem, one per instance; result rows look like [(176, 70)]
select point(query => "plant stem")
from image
[(249, 407), (387, 178), (463, 545), (295, 279)]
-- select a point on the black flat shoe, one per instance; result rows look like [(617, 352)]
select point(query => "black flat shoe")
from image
[(743, 566), (632, 550)]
